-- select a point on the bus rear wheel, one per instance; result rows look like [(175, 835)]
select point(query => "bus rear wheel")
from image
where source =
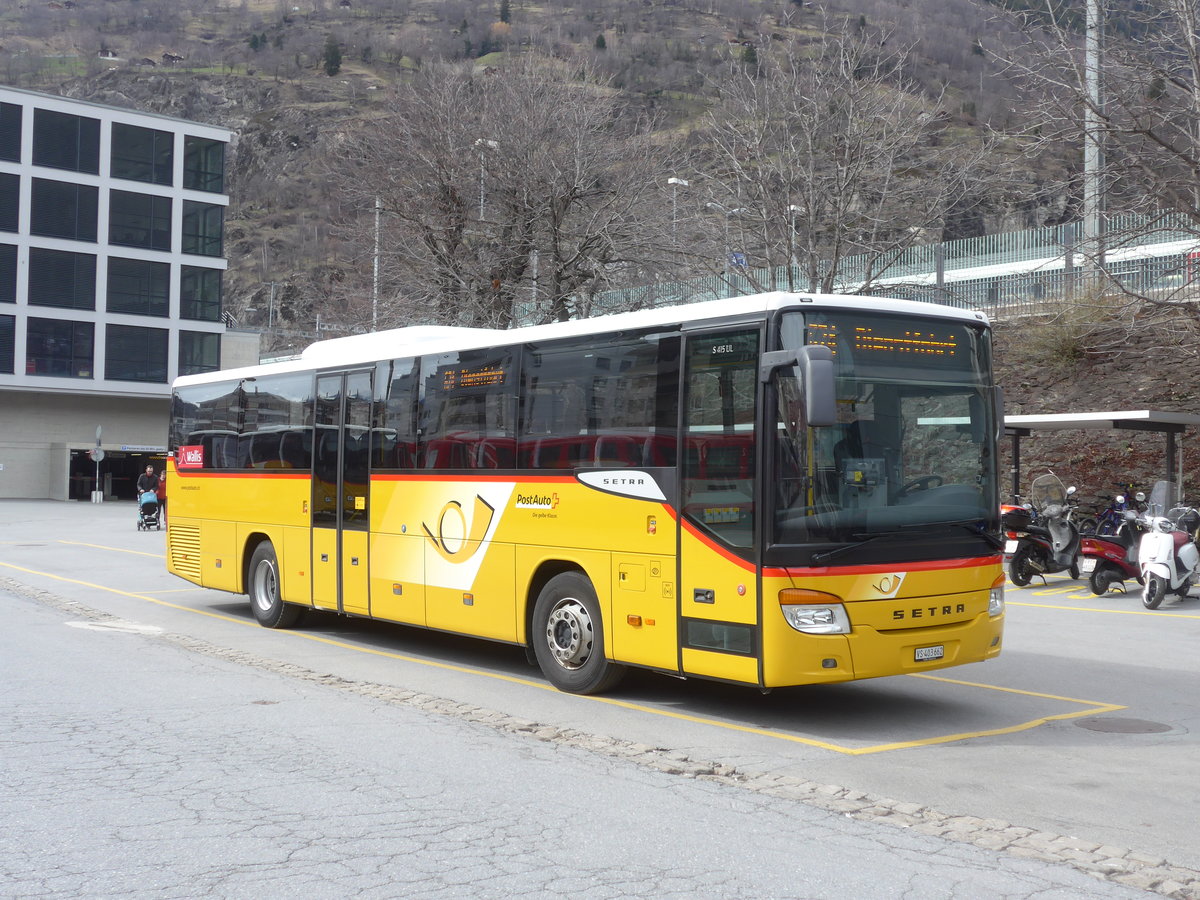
[(568, 637), (262, 586)]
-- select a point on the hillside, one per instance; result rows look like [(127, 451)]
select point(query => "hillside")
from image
[(259, 68)]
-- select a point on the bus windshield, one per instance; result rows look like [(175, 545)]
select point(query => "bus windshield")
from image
[(912, 456)]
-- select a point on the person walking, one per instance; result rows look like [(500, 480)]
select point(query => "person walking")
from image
[(161, 491)]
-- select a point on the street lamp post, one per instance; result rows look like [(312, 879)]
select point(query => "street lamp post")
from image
[(675, 184), (792, 210), (728, 214), (483, 145)]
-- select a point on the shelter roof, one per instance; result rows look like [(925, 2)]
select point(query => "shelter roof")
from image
[(1137, 420)]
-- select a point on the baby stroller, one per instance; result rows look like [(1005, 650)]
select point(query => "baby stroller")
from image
[(148, 511)]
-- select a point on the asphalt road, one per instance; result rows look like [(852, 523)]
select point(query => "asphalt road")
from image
[(162, 744)]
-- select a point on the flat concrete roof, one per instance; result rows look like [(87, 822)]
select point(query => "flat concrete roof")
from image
[(1136, 419)]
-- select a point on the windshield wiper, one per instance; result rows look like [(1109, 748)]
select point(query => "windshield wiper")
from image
[(860, 538)]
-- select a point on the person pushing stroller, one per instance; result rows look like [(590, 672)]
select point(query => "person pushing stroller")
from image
[(147, 491)]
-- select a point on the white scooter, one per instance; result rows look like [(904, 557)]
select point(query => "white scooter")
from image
[(1168, 555)]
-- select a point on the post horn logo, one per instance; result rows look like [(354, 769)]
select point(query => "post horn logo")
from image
[(889, 585), (462, 543)]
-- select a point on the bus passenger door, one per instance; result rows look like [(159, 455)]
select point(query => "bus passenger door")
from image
[(341, 518), (718, 583)]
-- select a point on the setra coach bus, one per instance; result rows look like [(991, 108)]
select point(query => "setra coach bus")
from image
[(781, 489)]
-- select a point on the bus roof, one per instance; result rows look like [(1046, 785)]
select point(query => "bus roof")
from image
[(418, 340)]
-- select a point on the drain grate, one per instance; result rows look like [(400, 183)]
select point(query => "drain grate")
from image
[(1118, 725)]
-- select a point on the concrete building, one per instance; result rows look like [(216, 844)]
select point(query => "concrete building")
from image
[(111, 265)]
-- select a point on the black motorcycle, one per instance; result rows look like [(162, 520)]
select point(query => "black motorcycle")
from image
[(1051, 544)]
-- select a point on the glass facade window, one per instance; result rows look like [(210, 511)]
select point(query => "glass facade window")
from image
[(135, 354), (63, 210), (199, 351), (204, 165), (139, 220), (199, 294), (142, 154), (10, 132), (8, 342), (203, 226), (59, 348), (64, 141), (139, 287), (10, 202), (8, 273), (62, 279)]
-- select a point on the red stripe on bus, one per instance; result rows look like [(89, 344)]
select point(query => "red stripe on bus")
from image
[(264, 473)]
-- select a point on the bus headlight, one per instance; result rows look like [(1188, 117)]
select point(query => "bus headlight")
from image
[(814, 612), (996, 598)]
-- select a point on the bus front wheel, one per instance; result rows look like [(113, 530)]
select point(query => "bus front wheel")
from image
[(262, 585), (568, 637)]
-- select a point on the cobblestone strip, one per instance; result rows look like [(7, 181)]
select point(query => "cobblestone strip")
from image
[(1128, 867)]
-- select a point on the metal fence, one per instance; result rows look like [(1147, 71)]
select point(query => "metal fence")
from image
[(999, 273)]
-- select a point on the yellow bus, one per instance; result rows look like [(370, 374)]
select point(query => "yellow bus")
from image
[(774, 490)]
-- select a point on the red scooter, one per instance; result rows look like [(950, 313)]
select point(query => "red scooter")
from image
[(1110, 559)]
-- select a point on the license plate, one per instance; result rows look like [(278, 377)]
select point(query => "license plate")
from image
[(1087, 565), (1010, 547), (924, 654)]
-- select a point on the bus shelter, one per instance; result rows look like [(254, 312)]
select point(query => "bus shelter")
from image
[(1167, 423)]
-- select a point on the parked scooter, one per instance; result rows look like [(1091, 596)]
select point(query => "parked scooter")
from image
[(1106, 560), (1167, 554), (1049, 545)]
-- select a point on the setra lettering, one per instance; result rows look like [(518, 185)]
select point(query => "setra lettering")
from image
[(928, 611)]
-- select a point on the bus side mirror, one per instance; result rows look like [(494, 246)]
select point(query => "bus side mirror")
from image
[(813, 365), (820, 397)]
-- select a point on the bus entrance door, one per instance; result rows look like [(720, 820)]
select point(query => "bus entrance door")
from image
[(341, 518), (718, 589)]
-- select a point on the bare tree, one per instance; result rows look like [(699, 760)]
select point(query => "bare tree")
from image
[(827, 163), (1141, 110), (514, 194)]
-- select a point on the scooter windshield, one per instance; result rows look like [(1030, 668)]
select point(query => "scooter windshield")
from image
[(913, 452), (1047, 491)]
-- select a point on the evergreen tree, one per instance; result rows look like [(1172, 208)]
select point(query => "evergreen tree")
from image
[(601, 44), (332, 58), (505, 12)]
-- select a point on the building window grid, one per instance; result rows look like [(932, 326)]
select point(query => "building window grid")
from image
[(8, 273), (66, 141), (199, 351), (10, 131), (200, 294), (8, 342), (62, 348), (133, 353), (64, 210), (138, 287), (142, 154), (139, 220), (59, 348), (204, 165), (203, 226), (62, 279)]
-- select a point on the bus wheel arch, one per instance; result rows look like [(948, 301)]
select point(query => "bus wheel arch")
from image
[(264, 587), (566, 632)]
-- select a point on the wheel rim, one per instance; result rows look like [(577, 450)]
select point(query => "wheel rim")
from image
[(570, 633), (266, 586)]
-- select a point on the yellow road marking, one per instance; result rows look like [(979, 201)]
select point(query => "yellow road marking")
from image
[(1119, 612), (1092, 706), (114, 549)]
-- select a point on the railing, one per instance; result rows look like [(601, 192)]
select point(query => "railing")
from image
[(1000, 273)]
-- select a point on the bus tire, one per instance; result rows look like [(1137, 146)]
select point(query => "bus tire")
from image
[(568, 637), (262, 587)]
